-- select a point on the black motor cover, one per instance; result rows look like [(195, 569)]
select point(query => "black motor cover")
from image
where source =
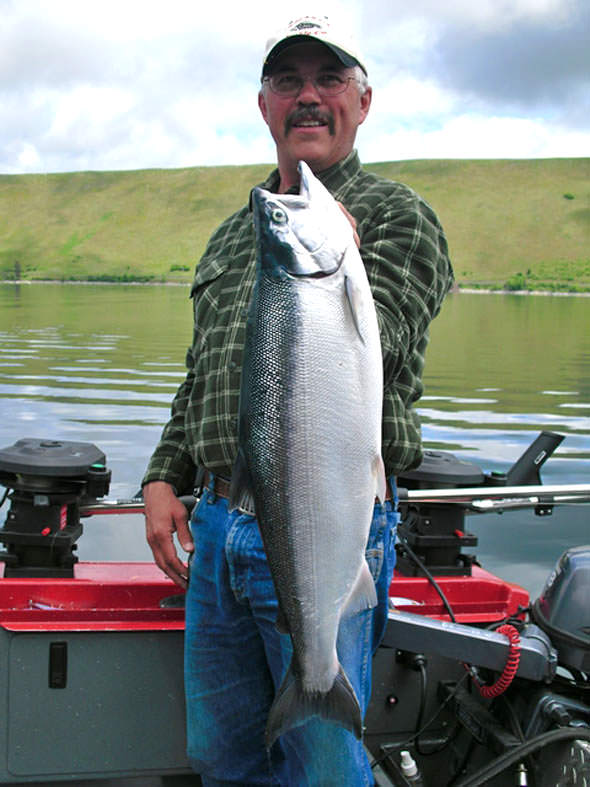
[(48, 479), (562, 610), (32, 456)]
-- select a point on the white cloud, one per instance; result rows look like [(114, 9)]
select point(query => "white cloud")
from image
[(403, 98), (476, 136), (488, 14), (27, 158), (131, 84)]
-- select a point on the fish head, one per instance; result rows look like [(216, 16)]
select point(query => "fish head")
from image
[(300, 235)]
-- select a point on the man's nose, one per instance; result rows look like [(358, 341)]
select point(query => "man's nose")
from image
[(309, 93)]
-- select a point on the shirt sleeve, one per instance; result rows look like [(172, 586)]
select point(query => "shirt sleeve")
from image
[(183, 442), (405, 252), (171, 460)]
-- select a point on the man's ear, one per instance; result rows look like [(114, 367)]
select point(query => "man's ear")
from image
[(365, 103), (262, 106)]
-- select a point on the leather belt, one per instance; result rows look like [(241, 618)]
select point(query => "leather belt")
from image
[(221, 486)]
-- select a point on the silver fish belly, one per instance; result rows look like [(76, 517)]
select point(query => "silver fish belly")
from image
[(310, 438)]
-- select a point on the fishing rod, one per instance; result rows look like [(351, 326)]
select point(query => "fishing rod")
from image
[(493, 498), (134, 505), (481, 499)]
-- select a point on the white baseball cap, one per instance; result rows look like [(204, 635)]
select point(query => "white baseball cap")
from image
[(319, 28)]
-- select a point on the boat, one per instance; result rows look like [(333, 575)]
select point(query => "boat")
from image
[(472, 684)]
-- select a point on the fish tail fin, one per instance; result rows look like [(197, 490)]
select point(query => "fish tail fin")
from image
[(293, 707)]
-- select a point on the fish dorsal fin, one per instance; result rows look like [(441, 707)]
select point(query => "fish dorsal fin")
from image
[(364, 595)]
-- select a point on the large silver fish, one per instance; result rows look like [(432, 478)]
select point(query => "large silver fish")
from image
[(310, 438)]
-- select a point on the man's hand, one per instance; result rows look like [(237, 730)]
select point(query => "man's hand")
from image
[(352, 221), (164, 516)]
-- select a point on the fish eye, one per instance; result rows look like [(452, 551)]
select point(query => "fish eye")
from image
[(278, 215)]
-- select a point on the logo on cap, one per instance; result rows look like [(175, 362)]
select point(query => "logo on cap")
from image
[(304, 25)]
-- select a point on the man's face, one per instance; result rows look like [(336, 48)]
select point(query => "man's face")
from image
[(318, 129)]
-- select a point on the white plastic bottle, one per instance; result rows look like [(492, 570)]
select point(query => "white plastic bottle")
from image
[(410, 769)]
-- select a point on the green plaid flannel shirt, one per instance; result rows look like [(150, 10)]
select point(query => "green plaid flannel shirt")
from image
[(405, 253)]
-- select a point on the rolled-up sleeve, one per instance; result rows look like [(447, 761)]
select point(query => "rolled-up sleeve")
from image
[(406, 257), (172, 461)]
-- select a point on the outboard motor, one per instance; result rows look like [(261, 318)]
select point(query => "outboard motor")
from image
[(562, 609), (436, 532), (49, 480)]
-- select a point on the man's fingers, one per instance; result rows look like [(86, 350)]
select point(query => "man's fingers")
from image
[(183, 534), (352, 221), (161, 541), (165, 515)]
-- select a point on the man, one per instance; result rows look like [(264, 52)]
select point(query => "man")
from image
[(314, 96)]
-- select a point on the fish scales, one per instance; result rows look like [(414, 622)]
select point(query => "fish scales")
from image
[(309, 438)]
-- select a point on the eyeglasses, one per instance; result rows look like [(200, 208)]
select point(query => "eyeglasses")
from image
[(290, 85)]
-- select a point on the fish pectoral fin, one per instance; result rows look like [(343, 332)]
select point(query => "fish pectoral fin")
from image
[(364, 595), (292, 706), (354, 297), (380, 479), (240, 489)]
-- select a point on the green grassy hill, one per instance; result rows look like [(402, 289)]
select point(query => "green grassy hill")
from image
[(509, 223)]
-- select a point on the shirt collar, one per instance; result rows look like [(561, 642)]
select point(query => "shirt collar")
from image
[(333, 178)]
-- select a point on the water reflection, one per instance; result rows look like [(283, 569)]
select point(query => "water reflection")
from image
[(101, 364)]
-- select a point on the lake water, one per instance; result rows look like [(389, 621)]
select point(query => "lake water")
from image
[(101, 364)]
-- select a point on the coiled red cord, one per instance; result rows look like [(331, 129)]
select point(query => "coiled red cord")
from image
[(510, 668)]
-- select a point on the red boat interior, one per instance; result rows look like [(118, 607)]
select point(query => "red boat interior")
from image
[(138, 597)]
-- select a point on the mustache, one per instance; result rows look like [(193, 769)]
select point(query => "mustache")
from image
[(309, 113)]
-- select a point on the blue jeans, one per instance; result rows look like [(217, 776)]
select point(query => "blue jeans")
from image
[(235, 659)]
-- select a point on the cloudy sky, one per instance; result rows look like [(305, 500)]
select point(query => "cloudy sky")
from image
[(129, 84)]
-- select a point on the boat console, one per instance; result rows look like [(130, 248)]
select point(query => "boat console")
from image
[(93, 650)]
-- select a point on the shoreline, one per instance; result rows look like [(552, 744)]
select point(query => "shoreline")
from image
[(548, 293), (455, 291)]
